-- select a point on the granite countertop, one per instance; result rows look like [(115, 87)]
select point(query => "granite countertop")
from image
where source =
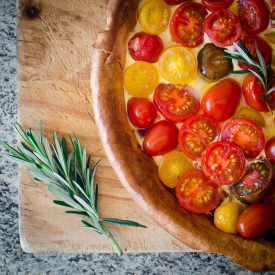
[(12, 259)]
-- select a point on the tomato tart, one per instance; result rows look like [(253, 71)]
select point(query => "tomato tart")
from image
[(184, 100)]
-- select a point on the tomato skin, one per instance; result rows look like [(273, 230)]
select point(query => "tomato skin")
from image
[(263, 47), (161, 138), (188, 29), (216, 5), (221, 100), (270, 149), (190, 186), (226, 216), (255, 220), (254, 15), (142, 112), (145, 47), (168, 98), (245, 133), (175, 2), (222, 27), (253, 92), (223, 162), (195, 133)]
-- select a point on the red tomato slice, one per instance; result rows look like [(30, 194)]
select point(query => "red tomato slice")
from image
[(263, 47), (161, 138), (254, 15), (254, 94), (222, 99), (223, 162), (196, 133), (187, 24), (216, 4), (176, 102), (245, 133), (196, 193), (141, 111), (145, 47), (222, 27)]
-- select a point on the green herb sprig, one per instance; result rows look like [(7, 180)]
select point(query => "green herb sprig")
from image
[(259, 67), (68, 176)]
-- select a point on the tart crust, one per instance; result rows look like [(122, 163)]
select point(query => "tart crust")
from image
[(137, 171)]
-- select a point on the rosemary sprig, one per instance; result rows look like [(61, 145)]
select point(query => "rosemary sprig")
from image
[(68, 176), (259, 67)]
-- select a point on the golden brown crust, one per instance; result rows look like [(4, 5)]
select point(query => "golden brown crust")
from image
[(136, 171)]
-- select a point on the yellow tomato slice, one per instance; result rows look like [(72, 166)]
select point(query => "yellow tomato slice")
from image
[(178, 65), (172, 166), (140, 79), (154, 16)]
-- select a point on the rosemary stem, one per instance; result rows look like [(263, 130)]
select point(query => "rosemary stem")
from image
[(112, 240)]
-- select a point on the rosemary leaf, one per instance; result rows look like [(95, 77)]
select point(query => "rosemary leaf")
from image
[(122, 222), (82, 213), (62, 203)]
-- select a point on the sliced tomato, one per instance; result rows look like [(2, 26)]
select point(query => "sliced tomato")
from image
[(254, 15), (216, 4), (222, 27), (145, 47), (187, 24), (196, 193), (245, 133), (196, 133), (270, 149), (254, 94), (161, 138), (176, 102), (263, 47), (255, 182), (223, 162)]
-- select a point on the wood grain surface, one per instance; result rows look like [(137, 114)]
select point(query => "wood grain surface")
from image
[(54, 48)]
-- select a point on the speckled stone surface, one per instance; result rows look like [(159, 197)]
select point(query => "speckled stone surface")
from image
[(12, 259)]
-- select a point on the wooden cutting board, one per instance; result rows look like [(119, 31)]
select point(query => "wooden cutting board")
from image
[(55, 41)]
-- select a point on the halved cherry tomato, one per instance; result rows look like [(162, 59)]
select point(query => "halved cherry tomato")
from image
[(255, 182), (263, 47), (254, 15), (175, 2), (140, 79), (222, 27), (270, 149), (222, 99), (142, 112), (176, 102), (196, 133), (216, 4), (245, 133), (154, 16), (145, 47), (255, 220), (196, 193), (254, 94), (187, 24), (178, 65), (172, 166), (223, 162), (161, 138)]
